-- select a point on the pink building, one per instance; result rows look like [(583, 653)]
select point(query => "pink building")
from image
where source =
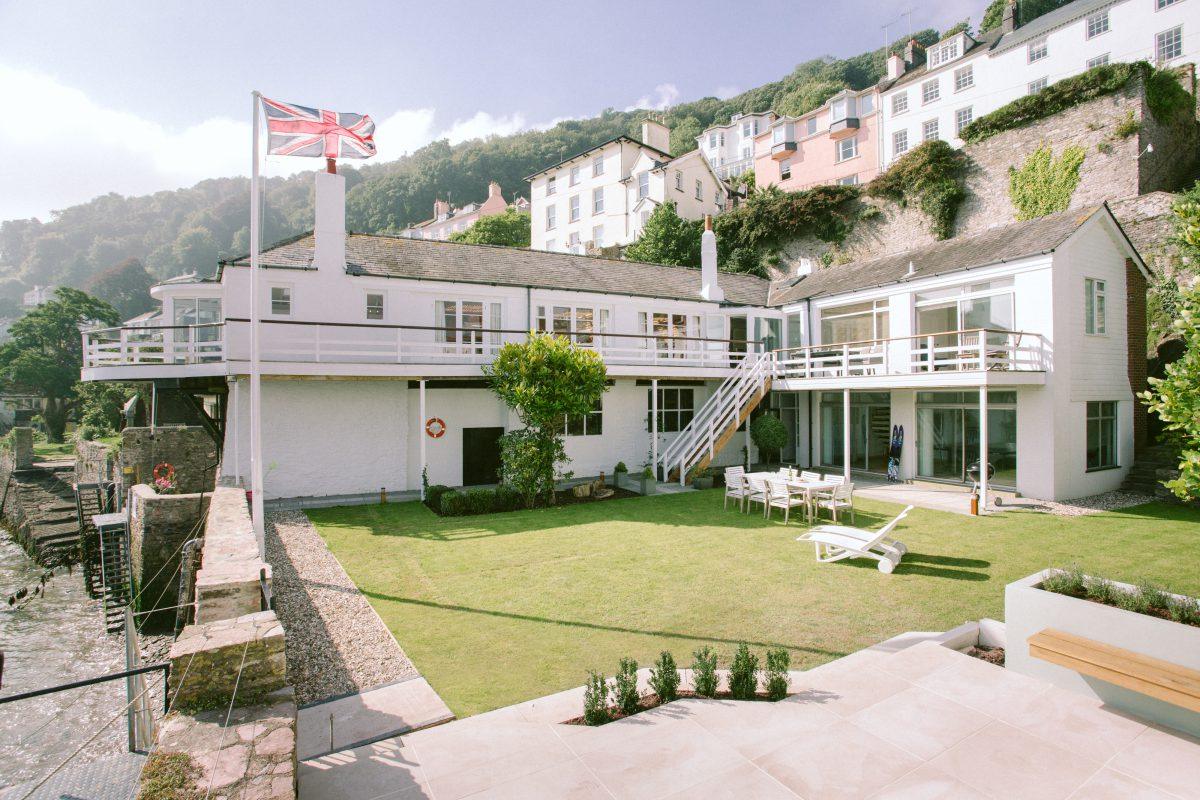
[(836, 143), (447, 220)]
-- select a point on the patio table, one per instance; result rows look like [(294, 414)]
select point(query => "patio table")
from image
[(809, 488)]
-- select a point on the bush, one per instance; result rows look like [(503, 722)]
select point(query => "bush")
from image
[(743, 674), (1069, 582), (664, 677), (507, 498), (778, 662), (595, 700), (620, 468), (433, 496), (1185, 610), (453, 504), (770, 435), (531, 462), (704, 672), (625, 691), (933, 174), (479, 501)]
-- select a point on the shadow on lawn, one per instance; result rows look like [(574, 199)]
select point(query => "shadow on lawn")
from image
[(593, 626), (931, 565)]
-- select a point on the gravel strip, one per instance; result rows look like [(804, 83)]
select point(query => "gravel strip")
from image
[(335, 642), (1095, 504)]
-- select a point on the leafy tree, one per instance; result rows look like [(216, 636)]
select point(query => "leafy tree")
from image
[(993, 15), (805, 98), (45, 353), (683, 135), (770, 436), (125, 287), (545, 379), (511, 229), (667, 238), (1175, 398), (195, 248), (1027, 11), (100, 404)]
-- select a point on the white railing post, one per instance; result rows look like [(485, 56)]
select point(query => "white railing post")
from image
[(931, 353), (845, 361), (317, 344), (982, 351), (808, 362)]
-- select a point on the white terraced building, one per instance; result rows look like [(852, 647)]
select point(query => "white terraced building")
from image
[(604, 195), (729, 148), (963, 78), (1025, 342)]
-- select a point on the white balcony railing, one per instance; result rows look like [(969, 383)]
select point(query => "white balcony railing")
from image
[(953, 351), (160, 344)]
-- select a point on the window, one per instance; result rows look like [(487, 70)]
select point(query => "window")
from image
[(1097, 23), (598, 236), (840, 109), (943, 53), (1038, 50), (699, 189), (551, 184), (597, 166), (899, 142), (573, 213), (866, 104), (859, 322), (576, 322), (202, 311), (1164, 3), (1093, 306), (1098, 61), (573, 244), (645, 217), (964, 77), (747, 152), (576, 172), (281, 300), (810, 126), (374, 305), (712, 140), (597, 201), (1101, 435), (785, 169), (551, 217), (847, 148), (719, 198), (675, 408), (1169, 44), (1037, 86), (929, 130), (462, 325), (589, 424), (746, 128), (930, 91), (849, 180), (962, 118), (643, 180), (899, 103), (551, 244), (679, 180)]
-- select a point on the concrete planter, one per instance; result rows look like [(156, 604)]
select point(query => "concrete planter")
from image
[(1028, 609), (702, 483), (647, 484)]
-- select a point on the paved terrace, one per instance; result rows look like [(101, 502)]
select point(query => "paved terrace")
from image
[(920, 722)]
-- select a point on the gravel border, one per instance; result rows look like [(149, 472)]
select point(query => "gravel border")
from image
[(335, 642), (1094, 504)]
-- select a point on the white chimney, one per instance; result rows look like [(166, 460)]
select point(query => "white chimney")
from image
[(657, 135), (330, 228), (895, 66), (805, 267), (709, 288)]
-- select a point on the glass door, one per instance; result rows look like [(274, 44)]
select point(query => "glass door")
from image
[(940, 443), (737, 339), (936, 319)]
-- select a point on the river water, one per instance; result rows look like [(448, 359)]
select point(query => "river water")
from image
[(48, 640)]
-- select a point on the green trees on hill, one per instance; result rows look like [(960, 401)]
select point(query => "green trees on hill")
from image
[(667, 239)]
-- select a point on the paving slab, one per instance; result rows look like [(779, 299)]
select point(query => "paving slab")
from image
[(369, 716)]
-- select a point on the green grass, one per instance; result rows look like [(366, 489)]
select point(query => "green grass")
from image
[(507, 607), (59, 450)]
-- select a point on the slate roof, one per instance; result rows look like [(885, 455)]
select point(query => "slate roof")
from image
[(421, 259), (606, 143), (995, 246), (979, 46), (1049, 21)]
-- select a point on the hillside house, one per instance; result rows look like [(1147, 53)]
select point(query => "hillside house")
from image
[(448, 219), (729, 148), (1025, 342)]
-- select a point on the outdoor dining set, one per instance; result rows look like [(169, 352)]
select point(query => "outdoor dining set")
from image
[(790, 488)]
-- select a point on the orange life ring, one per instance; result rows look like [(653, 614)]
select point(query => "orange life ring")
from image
[(435, 428), (164, 470)]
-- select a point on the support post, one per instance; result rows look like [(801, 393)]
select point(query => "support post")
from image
[(256, 455), (846, 434), (421, 431), (654, 428), (983, 449), (237, 428)]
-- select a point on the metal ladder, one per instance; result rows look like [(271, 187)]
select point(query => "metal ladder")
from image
[(91, 499), (116, 579)]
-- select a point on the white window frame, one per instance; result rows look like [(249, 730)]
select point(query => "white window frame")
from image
[(943, 53), (841, 149), (1176, 34), (1037, 50), (937, 134), (679, 180), (549, 316), (288, 296), (464, 340), (369, 307), (551, 185), (1036, 86), (927, 96), (598, 238), (785, 169), (899, 103), (643, 184), (574, 208), (1106, 415), (699, 190), (598, 200), (1095, 306), (590, 424), (576, 174), (848, 180), (964, 77), (1096, 24), (597, 166), (1099, 61), (678, 415), (900, 138), (574, 242), (551, 216), (1161, 4), (959, 124)]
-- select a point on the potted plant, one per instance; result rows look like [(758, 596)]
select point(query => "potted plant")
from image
[(702, 478), (770, 436), (620, 472), (648, 484)]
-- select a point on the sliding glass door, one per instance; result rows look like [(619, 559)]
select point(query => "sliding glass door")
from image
[(948, 435), (870, 430)]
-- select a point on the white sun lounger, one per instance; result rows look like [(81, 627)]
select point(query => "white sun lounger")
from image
[(835, 542)]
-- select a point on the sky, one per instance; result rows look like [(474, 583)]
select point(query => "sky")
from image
[(137, 97)]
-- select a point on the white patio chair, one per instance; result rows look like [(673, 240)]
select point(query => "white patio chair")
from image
[(840, 499), (836, 480), (782, 496), (756, 492), (808, 475), (836, 542), (735, 486)]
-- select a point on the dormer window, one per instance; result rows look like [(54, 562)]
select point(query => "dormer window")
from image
[(942, 53)]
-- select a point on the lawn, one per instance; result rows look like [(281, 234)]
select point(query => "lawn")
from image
[(507, 607)]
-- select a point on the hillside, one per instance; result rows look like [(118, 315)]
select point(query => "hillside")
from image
[(189, 229)]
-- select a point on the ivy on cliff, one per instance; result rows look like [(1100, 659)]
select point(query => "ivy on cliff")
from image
[(1044, 184), (934, 176)]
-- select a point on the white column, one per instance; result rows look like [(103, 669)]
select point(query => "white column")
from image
[(654, 430), (236, 413), (846, 434), (421, 430), (983, 449)]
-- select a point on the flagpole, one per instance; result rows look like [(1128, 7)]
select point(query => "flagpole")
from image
[(256, 465)]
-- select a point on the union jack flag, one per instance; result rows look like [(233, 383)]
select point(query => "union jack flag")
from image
[(294, 130)]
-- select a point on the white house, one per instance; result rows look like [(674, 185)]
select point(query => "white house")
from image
[(603, 196), (729, 148), (1025, 342), (963, 78)]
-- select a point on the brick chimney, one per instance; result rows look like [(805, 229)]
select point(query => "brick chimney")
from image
[(494, 191), (657, 135), (441, 209), (914, 53), (709, 288), (1008, 23), (329, 230), (895, 66)]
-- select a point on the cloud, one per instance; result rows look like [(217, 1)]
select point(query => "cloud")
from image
[(63, 148), (665, 96), (726, 92)]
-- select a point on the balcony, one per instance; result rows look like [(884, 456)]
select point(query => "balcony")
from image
[(782, 150), (842, 128), (967, 357), (316, 348), (733, 169)]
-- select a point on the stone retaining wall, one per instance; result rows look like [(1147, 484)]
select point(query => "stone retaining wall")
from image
[(207, 658), (190, 450), (22, 448), (159, 524), (228, 583)]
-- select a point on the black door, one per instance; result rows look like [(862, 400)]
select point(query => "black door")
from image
[(481, 455)]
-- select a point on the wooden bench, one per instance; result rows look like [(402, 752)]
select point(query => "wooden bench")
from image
[(1171, 683)]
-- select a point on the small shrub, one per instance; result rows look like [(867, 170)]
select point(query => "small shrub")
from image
[(704, 672), (1103, 591), (479, 501), (770, 435), (453, 504), (1069, 581), (595, 700), (625, 691), (1131, 600), (507, 498), (620, 468), (1185, 610), (743, 674), (1156, 597), (1128, 126), (169, 776), (433, 496), (664, 677), (778, 662)]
